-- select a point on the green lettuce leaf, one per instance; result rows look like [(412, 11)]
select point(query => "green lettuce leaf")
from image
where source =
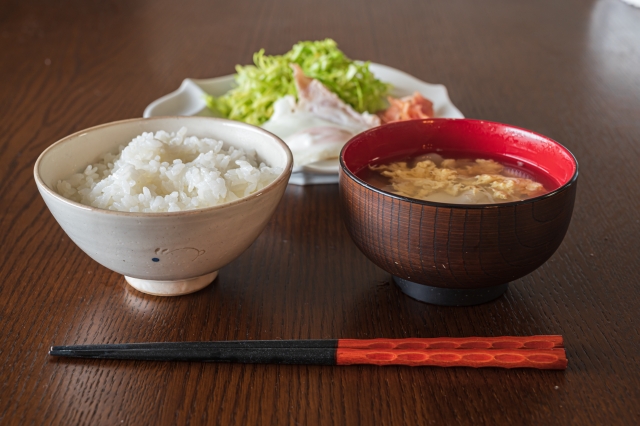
[(259, 86)]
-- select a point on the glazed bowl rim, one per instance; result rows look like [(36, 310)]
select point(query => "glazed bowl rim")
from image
[(562, 188), (283, 176)]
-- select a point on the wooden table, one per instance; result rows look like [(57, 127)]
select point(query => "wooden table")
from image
[(570, 70)]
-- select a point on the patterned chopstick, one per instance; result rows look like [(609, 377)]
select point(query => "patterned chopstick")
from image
[(542, 352)]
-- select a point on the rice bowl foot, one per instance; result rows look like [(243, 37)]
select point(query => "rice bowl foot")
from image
[(450, 296), (172, 288)]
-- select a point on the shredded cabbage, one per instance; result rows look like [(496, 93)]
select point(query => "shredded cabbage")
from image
[(259, 86)]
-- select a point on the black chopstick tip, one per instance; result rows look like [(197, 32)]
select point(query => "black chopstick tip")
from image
[(58, 351)]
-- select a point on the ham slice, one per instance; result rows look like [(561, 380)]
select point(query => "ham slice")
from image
[(314, 97), (407, 108), (318, 124)]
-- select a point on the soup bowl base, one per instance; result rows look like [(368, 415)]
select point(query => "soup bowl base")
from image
[(449, 296), (172, 287)]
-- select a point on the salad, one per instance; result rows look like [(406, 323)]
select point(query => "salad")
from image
[(315, 98)]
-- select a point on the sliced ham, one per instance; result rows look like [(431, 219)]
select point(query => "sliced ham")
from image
[(407, 108), (318, 124), (314, 97)]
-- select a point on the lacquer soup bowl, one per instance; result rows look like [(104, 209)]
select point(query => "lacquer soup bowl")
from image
[(456, 254)]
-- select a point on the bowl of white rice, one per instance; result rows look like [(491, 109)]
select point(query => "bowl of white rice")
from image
[(165, 201)]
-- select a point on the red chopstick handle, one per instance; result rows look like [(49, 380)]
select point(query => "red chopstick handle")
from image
[(503, 342), (554, 359)]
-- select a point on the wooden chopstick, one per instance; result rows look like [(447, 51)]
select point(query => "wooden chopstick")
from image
[(545, 352), (501, 342)]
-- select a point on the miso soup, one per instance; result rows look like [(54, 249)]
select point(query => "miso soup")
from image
[(458, 179)]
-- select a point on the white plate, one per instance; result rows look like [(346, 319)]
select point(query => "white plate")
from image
[(189, 99)]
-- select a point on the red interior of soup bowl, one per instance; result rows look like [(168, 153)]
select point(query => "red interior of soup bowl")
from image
[(478, 137)]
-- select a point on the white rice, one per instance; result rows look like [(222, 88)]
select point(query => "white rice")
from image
[(168, 172)]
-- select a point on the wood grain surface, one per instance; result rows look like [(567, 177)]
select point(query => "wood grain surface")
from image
[(567, 69)]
